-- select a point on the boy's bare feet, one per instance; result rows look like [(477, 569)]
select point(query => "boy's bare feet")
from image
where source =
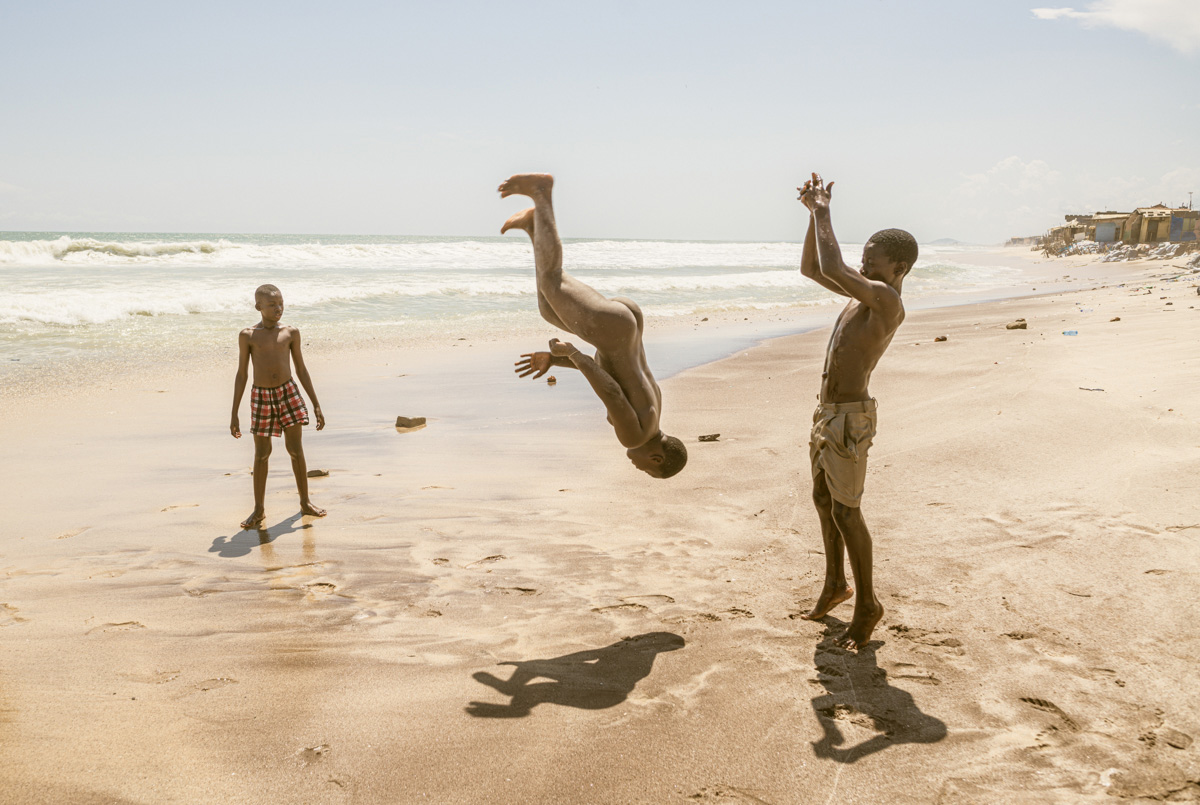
[(311, 510), (526, 184), (520, 220), (861, 626), (829, 599), (255, 520)]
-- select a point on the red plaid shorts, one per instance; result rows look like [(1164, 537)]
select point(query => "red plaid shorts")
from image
[(273, 409)]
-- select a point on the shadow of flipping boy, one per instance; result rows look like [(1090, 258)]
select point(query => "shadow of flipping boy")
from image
[(276, 406), (590, 680)]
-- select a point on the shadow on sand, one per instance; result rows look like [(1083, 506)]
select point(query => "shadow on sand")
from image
[(591, 680), (859, 699), (246, 540)]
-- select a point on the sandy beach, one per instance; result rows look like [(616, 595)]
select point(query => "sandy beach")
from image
[(499, 609)]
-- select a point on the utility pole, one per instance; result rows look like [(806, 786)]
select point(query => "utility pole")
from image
[(1190, 199)]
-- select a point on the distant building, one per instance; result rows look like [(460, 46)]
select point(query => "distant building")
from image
[(1161, 224), (1110, 226)]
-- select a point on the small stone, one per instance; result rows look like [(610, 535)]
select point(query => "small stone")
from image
[(942, 338), (704, 319), (410, 421), (1175, 738), (1115, 318), (551, 380), (1019, 324), (710, 437), (317, 473)]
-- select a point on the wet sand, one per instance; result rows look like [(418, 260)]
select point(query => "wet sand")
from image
[(498, 608)]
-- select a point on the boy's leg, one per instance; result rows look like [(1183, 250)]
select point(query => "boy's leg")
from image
[(867, 609), (262, 452), (578, 308), (835, 589), (523, 220), (291, 440)]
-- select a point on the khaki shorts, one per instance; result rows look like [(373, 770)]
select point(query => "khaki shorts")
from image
[(841, 436)]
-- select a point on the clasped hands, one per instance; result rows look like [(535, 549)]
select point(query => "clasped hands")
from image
[(815, 194)]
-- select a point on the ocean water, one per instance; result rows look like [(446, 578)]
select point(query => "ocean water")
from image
[(71, 296)]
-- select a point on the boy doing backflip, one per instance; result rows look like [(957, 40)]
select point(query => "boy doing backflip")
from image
[(618, 373), (276, 406), (844, 422)]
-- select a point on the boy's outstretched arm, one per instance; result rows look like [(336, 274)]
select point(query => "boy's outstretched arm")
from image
[(809, 264), (878, 296), (305, 380), (239, 381), (624, 419)]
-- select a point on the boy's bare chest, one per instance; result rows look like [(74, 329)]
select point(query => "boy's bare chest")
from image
[(270, 346)]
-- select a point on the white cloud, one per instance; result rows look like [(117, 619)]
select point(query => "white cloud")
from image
[(1176, 22), (5, 187)]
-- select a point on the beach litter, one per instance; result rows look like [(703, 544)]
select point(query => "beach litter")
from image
[(1115, 318), (942, 338), (1085, 388), (710, 437), (551, 380), (317, 473), (1070, 332), (407, 423), (1019, 324)]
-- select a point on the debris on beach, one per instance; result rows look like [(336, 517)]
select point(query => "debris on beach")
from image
[(1084, 388), (942, 338), (406, 423), (551, 380), (317, 473), (710, 437), (1115, 318), (1019, 324)]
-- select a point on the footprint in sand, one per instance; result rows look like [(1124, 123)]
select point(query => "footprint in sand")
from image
[(926, 637), (313, 754), (1157, 572), (75, 532), (321, 589), (727, 794), (1050, 707), (214, 684), (648, 599), (9, 616), (621, 608), (1019, 635), (125, 626), (738, 612), (441, 561), (516, 590), (180, 506), (435, 486), (487, 560)]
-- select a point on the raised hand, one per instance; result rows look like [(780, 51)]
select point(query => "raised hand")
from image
[(815, 193), (533, 362)]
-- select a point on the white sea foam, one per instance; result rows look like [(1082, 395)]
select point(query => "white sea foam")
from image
[(60, 291)]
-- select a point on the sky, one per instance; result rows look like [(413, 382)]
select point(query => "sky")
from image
[(659, 119)]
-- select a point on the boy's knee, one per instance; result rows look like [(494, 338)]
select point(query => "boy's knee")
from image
[(822, 498), (845, 515), (262, 451)]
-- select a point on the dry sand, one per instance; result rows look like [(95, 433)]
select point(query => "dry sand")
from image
[(498, 608)]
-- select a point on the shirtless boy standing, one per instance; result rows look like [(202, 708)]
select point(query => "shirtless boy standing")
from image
[(276, 406), (619, 373), (844, 422)]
